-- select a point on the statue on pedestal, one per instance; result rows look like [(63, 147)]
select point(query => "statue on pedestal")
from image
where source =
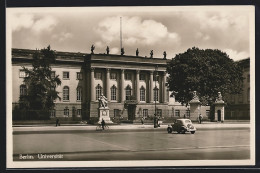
[(219, 98), (122, 51), (102, 101), (92, 49), (164, 55), (137, 52), (151, 53), (195, 97), (107, 50)]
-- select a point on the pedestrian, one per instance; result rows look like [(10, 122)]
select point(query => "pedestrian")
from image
[(103, 124), (142, 120), (184, 116), (200, 118), (57, 122)]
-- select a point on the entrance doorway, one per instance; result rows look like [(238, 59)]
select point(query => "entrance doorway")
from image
[(219, 115), (131, 112)]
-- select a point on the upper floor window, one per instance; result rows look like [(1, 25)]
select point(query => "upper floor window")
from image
[(22, 74), (113, 92), (128, 76), (79, 76), (79, 94), (156, 77), (66, 93), (128, 93), (98, 75), (23, 90), (98, 91), (142, 94), (142, 76), (113, 76), (53, 74), (66, 75), (156, 94)]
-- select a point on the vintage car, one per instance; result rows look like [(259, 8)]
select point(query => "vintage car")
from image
[(181, 126)]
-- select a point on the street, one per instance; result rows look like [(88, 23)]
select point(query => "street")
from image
[(135, 145)]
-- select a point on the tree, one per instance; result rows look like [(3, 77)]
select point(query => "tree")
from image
[(205, 71), (41, 84)]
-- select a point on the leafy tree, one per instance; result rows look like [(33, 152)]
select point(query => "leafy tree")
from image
[(40, 83), (205, 71)]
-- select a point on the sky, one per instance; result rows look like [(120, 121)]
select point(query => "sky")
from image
[(170, 29)]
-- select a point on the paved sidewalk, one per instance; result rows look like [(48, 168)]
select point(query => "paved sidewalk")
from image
[(76, 128)]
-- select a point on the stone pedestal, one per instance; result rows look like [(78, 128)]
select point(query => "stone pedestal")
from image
[(103, 113), (194, 109), (219, 111)]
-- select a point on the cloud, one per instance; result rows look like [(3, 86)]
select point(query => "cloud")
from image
[(114, 50), (235, 55), (134, 31), (30, 21), (62, 36)]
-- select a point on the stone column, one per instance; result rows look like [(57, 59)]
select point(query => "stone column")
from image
[(151, 87), (137, 86), (92, 80), (122, 85), (164, 87), (108, 84)]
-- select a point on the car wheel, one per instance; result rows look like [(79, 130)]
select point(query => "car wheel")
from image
[(192, 132), (169, 130)]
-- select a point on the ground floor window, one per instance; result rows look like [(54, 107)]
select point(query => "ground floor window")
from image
[(116, 113), (78, 112), (145, 113), (159, 112), (177, 113), (188, 113), (53, 113), (66, 111), (208, 114)]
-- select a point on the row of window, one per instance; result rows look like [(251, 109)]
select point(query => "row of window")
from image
[(98, 75), (128, 93), (66, 112), (65, 75), (128, 76)]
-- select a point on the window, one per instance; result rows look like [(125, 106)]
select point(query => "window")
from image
[(113, 92), (53, 74), (66, 75), (145, 113), (23, 90), (79, 76), (128, 93), (142, 94), (66, 93), (156, 94), (78, 112), (113, 76), (159, 112), (79, 94), (98, 91), (188, 113), (128, 76), (98, 75), (142, 77), (116, 113), (177, 113), (66, 111), (53, 113), (22, 74)]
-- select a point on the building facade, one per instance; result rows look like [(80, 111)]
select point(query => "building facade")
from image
[(238, 105)]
